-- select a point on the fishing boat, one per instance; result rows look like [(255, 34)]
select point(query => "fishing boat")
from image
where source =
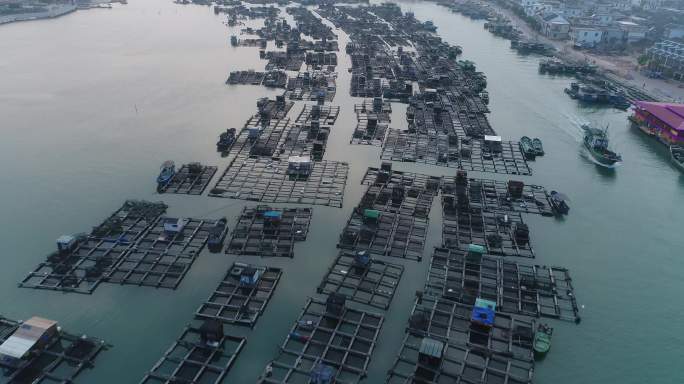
[(217, 233), (527, 149), (596, 141), (677, 155), (484, 95), (538, 147), (542, 341), (558, 203), (168, 169), (226, 140)]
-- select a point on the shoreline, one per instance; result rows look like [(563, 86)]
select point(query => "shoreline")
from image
[(658, 89), (55, 11), (615, 69), (52, 13)]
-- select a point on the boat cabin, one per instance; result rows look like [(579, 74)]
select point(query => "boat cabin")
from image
[(596, 138), (33, 334)]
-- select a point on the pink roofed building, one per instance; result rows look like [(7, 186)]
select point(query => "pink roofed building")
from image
[(663, 120)]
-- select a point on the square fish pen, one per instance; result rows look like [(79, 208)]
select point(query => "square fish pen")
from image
[(164, 254), (396, 198), (268, 181), (84, 263), (191, 360), (62, 359), (246, 78), (388, 234), (266, 231), (386, 175), (379, 106), (191, 179), (455, 363), (81, 271), (523, 289), (309, 135), (338, 341), (242, 295), (496, 195), (371, 129), (449, 321), (362, 278), (503, 234), (312, 86), (448, 151), (325, 114)]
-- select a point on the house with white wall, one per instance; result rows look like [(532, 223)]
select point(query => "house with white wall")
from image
[(586, 35)]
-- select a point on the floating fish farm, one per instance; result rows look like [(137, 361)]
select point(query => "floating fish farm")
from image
[(60, 359), (266, 231), (270, 79), (363, 279), (479, 309), (275, 161), (190, 179), (236, 300), (373, 118), (312, 86), (327, 334), (201, 354), (136, 245)]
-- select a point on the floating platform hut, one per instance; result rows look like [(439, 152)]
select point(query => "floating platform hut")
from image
[(38, 351)]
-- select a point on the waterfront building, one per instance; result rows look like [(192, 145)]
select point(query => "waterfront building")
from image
[(662, 120), (667, 59), (586, 35), (674, 31), (633, 31), (555, 27)]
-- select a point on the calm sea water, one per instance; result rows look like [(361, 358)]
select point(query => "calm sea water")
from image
[(93, 102)]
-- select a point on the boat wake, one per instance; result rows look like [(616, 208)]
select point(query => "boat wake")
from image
[(586, 155)]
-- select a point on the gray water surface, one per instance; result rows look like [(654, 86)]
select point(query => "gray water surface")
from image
[(92, 103)]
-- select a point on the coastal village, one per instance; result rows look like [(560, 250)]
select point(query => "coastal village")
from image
[(639, 41), (19, 10), (488, 306)]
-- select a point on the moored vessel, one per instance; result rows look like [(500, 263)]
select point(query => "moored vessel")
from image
[(527, 149), (168, 169), (542, 341), (677, 156)]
